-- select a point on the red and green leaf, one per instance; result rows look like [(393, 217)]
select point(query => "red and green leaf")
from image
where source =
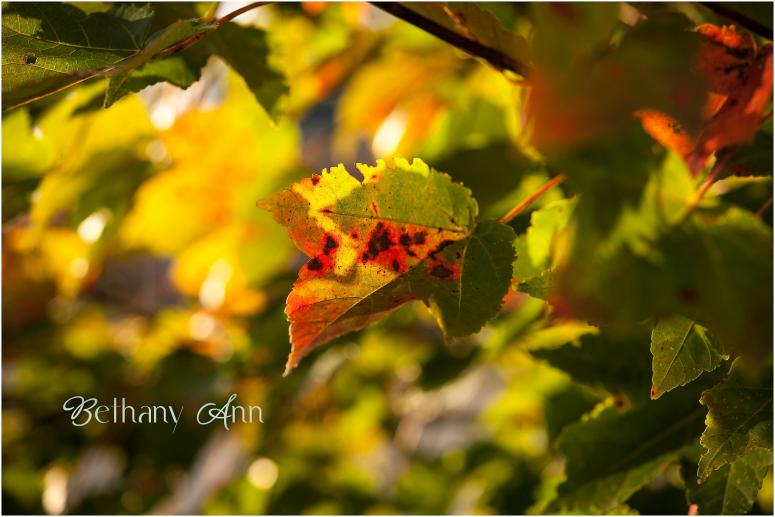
[(405, 232)]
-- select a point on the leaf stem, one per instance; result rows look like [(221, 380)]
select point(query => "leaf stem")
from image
[(496, 58), (764, 207), (522, 205)]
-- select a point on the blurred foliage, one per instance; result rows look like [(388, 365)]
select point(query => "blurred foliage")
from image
[(136, 264)]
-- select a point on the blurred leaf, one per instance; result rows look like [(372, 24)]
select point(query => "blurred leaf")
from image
[(536, 246), (378, 244), (739, 419), (476, 24), (220, 184), (756, 157), (730, 490), (489, 171), (589, 83), (616, 365), (744, 76), (759, 12), (681, 351), (702, 267)]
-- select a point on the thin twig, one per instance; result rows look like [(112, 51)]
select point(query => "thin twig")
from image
[(739, 18), (194, 38), (514, 212), (764, 207), (496, 58)]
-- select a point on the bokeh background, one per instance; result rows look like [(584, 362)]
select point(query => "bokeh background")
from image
[(136, 265)]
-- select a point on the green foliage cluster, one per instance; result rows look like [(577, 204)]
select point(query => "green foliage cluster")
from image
[(605, 348)]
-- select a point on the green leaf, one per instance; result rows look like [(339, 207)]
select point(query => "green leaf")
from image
[(612, 454), (246, 50), (50, 46), (534, 248), (463, 307), (172, 70), (730, 490), (681, 351), (406, 232), (544, 225), (125, 80), (618, 365), (739, 419)]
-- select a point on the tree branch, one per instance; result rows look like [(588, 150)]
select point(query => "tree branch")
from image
[(496, 58), (230, 16), (739, 18)]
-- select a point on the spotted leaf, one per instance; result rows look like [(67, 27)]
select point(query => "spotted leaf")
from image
[(405, 232)]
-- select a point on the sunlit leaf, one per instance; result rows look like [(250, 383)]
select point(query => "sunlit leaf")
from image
[(730, 490), (406, 232), (50, 46), (681, 351), (739, 419)]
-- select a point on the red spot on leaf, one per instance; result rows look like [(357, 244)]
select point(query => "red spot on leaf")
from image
[(323, 262)]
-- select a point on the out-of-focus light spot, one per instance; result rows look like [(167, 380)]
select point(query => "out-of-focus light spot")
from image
[(262, 473), (162, 117), (213, 290), (91, 228), (156, 151), (201, 325), (79, 266), (128, 333), (37, 133), (389, 134), (408, 372), (55, 491)]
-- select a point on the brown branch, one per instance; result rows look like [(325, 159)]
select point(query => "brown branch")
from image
[(230, 16), (496, 58), (739, 18), (514, 212)]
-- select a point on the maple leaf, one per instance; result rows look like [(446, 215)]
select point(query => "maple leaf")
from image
[(406, 232)]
